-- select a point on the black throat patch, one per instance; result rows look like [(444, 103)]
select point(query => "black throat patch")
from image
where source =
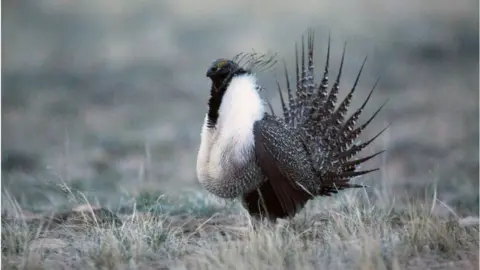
[(219, 87)]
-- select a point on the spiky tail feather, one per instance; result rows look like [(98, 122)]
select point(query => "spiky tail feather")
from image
[(329, 137)]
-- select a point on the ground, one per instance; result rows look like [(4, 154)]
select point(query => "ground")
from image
[(347, 231)]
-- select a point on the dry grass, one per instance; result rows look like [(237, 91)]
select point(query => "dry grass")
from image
[(344, 232)]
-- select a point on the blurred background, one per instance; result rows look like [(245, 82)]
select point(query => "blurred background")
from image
[(107, 97)]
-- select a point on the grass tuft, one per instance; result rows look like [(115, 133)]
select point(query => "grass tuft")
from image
[(197, 232)]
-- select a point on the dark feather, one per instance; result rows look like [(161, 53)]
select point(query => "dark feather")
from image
[(326, 132), (352, 120), (309, 152), (353, 135), (329, 105), (359, 161), (357, 148), (291, 101), (269, 104), (338, 117), (282, 102), (273, 142)]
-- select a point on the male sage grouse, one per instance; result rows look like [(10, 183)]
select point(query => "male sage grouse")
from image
[(275, 165)]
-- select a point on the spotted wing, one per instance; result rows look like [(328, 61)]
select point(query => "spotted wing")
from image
[(282, 158)]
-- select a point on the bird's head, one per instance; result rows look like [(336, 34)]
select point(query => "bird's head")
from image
[(222, 68)]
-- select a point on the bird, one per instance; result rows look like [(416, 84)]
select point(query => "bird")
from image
[(274, 164)]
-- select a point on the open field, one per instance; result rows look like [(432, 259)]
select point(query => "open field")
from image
[(347, 232), (102, 104)]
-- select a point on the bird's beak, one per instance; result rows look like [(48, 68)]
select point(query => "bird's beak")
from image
[(209, 73)]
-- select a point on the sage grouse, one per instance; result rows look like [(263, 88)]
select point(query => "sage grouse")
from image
[(273, 164)]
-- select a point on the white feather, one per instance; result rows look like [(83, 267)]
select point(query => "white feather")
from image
[(226, 145)]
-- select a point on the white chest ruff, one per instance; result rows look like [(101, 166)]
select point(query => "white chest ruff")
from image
[(229, 145)]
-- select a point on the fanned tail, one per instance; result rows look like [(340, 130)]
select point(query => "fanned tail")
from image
[(329, 135)]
